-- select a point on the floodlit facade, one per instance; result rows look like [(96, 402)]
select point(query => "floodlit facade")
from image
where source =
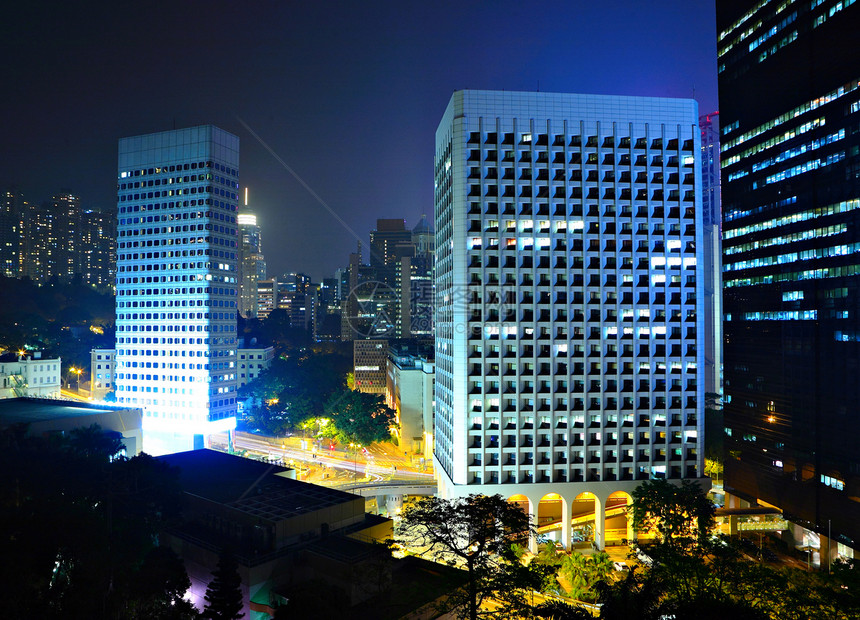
[(569, 313), (409, 392), (177, 284), (789, 79), (30, 376)]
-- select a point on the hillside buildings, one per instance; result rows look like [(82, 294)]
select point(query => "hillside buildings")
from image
[(789, 79), (569, 309), (177, 284), (59, 240)]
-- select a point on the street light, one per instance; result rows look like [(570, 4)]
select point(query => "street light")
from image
[(77, 372)]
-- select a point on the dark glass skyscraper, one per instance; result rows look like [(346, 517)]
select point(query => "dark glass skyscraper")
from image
[(789, 75)]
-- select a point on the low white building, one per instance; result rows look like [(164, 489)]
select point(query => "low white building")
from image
[(102, 372), (253, 361), (409, 391), (30, 376)]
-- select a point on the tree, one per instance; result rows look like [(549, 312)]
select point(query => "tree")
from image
[(584, 573), (476, 533), (359, 417), (224, 593), (79, 523), (681, 514)]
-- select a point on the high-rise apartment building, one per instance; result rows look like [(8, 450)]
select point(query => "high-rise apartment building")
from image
[(569, 348), (789, 79), (252, 263), (177, 284), (12, 239), (58, 240)]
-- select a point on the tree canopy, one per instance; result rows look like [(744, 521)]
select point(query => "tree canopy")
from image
[(360, 417), (477, 533), (294, 389), (679, 513), (78, 527)]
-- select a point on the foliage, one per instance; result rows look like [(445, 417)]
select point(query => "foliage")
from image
[(679, 513), (556, 610), (712, 579), (585, 572), (476, 533), (54, 319), (359, 417), (78, 529), (224, 593), (294, 390), (548, 555)]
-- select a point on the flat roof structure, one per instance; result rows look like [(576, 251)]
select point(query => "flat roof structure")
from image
[(252, 487), (44, 415)]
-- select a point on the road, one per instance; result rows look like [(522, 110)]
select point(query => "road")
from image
[(331, 467)]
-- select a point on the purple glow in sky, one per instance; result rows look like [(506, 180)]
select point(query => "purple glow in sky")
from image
[(347, 94)]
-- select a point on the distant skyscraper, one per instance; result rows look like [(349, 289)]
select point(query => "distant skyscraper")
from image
[(252, 263), (569, 311), (387, 243), (413, 284), (789, 78), (267, 297), (12, 239), (177, 284), (711, 272)]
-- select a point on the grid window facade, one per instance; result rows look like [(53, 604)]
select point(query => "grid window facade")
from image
[(177, 279), (568, 306)]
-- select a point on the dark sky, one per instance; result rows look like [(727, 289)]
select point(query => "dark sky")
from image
[(346, 94)]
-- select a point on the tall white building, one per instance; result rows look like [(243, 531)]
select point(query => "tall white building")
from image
[(177, 284), (569, 316)]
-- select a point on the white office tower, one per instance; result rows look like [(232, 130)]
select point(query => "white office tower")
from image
[(568, 307), (176, 284)]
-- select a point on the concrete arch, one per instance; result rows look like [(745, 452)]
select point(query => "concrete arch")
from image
[(586, 518), (552, 509), (618, 523), (529, 506)]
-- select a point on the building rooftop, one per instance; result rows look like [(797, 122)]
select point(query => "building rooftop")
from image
[(249, 486), (27, 410), (423, 225)]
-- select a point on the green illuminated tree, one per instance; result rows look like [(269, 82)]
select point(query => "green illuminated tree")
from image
[(680, 513), (359, 417)]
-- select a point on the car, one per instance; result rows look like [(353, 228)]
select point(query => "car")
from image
[(644, 558), (769, 555), (620, 565)]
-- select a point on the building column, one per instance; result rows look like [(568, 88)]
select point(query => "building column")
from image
[(631, 532), (566, 517), (599, 524), (533, 519)]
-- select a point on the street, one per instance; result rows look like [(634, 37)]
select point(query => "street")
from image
[(339, 467)]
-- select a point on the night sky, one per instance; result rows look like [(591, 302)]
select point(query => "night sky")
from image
[(346, 94)]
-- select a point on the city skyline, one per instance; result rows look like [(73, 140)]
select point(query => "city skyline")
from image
[(350, 106)]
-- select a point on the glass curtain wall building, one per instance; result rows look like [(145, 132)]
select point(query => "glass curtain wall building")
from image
[(569, 327), (177, 284), (789, 78)]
